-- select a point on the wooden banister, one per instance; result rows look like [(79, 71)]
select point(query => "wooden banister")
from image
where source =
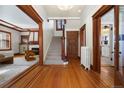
[(63, 56)]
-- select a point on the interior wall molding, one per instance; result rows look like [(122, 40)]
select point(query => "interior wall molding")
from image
[(12, 26), (31, 29), (67, 18), (72, 29), (17, 28)]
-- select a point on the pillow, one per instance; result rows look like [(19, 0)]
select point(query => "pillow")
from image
[(1, 56)]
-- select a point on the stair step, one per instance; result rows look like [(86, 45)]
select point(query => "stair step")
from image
[(53, 62), (51, 58), (54, 52)]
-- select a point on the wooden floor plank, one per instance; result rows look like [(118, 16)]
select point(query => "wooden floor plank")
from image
[(27, 79), (68, 76)]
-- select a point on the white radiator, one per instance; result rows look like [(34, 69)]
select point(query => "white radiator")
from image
[(85, 57)]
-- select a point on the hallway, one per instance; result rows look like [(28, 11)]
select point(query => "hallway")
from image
[(55, 45), (54, 52)]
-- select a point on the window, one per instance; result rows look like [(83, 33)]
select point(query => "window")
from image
[(59, 24), (5, 40)]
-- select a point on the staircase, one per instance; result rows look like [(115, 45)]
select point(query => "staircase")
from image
[(54, 52)]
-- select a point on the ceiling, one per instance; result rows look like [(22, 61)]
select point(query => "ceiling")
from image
[(14, 15), (109, 16), (54, 11)]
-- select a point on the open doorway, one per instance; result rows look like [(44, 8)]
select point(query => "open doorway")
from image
[(107, 46), (107, 42), (19, 47)]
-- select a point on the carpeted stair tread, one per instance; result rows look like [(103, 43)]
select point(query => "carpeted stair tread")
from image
[(54, 52)]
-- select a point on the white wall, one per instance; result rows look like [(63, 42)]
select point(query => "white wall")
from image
[(86, 18), (73, 24), (47, 35), (48, 28), (15, 35)]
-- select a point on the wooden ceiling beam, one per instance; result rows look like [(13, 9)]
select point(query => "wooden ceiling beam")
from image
[(29, 10)]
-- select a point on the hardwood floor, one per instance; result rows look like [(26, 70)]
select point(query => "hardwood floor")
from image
[(107, 74), (58, 76)]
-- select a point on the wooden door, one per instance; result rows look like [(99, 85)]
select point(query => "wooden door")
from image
[(72, 44), (119, 44)]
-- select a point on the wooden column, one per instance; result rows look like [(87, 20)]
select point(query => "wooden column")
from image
[(116, 35), (96, 44), (40, 37)]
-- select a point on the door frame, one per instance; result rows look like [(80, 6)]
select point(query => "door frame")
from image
[(82, 29), (96, 36), (30, 11)]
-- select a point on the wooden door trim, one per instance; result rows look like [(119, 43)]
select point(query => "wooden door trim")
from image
[(96, 36), (119, 80), (116, 25), (84, 28), (30, 11), (7, 24)]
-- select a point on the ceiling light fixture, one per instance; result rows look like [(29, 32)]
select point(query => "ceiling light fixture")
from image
[(65, 7), (79, 11)]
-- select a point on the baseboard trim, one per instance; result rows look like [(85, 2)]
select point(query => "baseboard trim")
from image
[(16, 53), (12, 81)]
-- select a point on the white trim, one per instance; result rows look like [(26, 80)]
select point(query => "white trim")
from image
[(69, 18), (72, 30)]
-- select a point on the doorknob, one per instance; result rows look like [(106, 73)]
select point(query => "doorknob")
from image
[(120, 52), (114, 52)]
